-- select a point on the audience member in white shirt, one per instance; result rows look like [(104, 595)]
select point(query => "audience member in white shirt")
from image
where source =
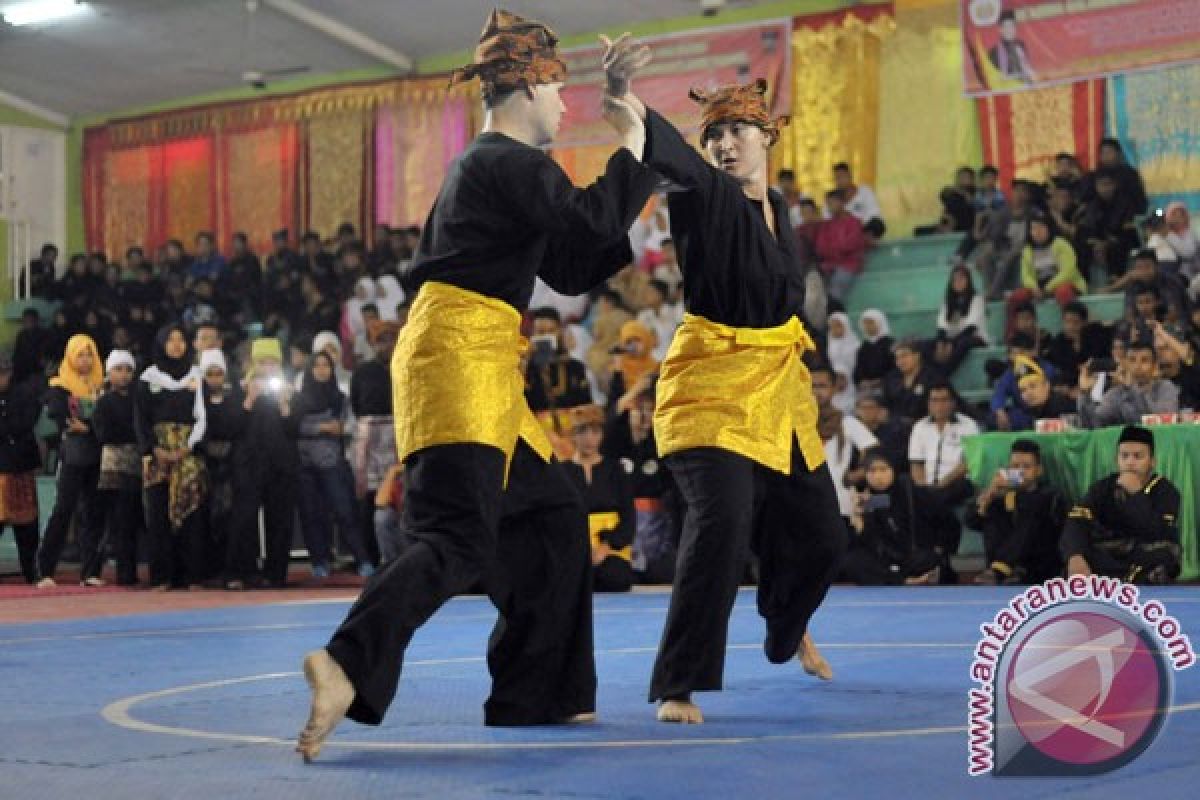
[(860, 201), (845, 438), (660, 316), (935, 453)]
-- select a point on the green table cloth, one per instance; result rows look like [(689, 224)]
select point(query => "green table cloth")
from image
[(1074, 460)]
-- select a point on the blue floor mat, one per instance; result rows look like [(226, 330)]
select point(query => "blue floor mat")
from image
[(203, 705)]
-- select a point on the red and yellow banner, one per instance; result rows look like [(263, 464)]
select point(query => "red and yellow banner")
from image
[(1009, 45)]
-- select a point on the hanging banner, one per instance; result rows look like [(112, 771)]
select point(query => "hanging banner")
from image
[(704, 58), (1009, 45)]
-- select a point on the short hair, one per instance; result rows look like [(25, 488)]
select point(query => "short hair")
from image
[(175, 243), (1142, 287), (787, 175), (1008, 16), (1025, 308), (49, 248), (841, 166), (988, 169), (346, 228), (1109, 141), (961, 170), (1029, 447), (374, 309), (940, 385), (135, 249), (1146, 254), (31, 312), (1077, 308), (661, 287), (413, 230), (1064, 156), (910, 343), (547, 312), (670, 241), (612, 296), (206, 236), (311, 236), (1142, 344), (241, 236), (835, 194), (807, 202)]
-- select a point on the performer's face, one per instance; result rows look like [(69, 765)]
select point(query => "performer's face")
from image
[(546, 111), (738, 148)]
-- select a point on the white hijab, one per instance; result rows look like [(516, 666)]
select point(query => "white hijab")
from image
[(843, 351), (880, 319), (390, 296)]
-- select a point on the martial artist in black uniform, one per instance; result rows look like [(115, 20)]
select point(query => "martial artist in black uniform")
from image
[(506, 213), (735, 418), (1127, 525)]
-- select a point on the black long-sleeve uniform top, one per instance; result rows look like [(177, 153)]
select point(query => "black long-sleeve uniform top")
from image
[(113, 420), (1043, 509), (734, 271), (608, 491), (225, 421), (507, 213), (150, 407), (371, 389), (648, 477), (19, 412), (75, 449), (1110, 512)]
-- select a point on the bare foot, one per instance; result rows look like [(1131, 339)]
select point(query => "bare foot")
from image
[(682, 711), (582, 718), (811, 659), (332, 694)]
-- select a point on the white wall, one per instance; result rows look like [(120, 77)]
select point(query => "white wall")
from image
[(33, 184)]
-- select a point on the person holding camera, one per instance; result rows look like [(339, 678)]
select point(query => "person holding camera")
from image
[(1138, 389), (1126, 526), (267, 462), (634, 367), (169, 420), (886, 547), (553, 380), (1177, 364), (1020, 518)]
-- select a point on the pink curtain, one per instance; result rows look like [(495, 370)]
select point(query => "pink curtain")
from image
[(414, 144)]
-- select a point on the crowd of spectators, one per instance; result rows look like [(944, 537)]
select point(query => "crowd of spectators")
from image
[(162, 383)]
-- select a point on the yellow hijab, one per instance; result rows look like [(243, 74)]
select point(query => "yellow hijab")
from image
[(633, 367), (82, 386)]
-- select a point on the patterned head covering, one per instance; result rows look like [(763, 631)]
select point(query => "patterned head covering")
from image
[(513, 53), (738, 104)]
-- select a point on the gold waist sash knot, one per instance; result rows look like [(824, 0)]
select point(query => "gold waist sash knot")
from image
[(745, 390), (456, 375)]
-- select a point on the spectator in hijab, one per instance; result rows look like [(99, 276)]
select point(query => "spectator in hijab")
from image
[(70, 403), (875, 359), (169, 420), (119, 487), (225, 422), (321, 410)]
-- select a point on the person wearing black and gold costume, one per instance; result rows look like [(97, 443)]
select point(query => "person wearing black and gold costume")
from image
[(506, 214), (736, 418), (608, 498)]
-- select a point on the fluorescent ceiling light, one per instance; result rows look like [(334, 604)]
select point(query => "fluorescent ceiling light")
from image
[(37, 11)]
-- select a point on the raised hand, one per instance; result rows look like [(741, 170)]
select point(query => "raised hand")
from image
[(623, 59)]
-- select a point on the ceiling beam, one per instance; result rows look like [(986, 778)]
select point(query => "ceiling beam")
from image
[(343, 33), (21, 104)]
